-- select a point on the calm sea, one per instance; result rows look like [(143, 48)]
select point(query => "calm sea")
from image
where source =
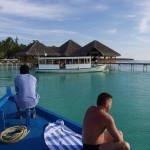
[(71, 94)]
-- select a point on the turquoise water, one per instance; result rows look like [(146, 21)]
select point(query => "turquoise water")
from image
[(71, 94)]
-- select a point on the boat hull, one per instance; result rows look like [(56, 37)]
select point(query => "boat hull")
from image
[(97, 68)]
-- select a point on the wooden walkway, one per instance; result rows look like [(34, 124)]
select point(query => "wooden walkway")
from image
[(131, 64)]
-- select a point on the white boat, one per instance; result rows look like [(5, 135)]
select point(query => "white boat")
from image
[(69, 65)]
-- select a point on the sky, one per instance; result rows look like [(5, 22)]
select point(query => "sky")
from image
[(123, 25)]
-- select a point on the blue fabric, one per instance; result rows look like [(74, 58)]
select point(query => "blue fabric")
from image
[(58, 137)]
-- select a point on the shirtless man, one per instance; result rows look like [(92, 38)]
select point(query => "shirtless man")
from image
[(99, 129)]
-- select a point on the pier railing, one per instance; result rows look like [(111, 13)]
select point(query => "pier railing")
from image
[(132, 66)]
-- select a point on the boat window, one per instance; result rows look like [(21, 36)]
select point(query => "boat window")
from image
[(82, 61), (75, 61), (86, 61), (49, 61), (56, 61), (79, 61), (62, 61), (69, 61), (42, 61)]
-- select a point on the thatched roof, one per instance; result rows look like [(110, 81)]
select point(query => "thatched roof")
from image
[(68, 48), (53, 51), (95, 48), (39, 49)]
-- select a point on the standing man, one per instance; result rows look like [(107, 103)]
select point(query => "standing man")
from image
[(99, 128), (25, 86)]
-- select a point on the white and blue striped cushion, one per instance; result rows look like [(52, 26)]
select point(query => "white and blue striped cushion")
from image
[(58, 137)]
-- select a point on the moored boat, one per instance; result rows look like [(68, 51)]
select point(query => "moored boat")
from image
[(69, 65)]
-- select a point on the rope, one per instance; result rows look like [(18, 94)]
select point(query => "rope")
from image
[(13, 134)]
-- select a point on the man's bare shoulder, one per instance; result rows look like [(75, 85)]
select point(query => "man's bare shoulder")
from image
[(103, 115), (108, 118), (91, 110)]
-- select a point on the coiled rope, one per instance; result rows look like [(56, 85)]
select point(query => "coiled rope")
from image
[(13, 134)]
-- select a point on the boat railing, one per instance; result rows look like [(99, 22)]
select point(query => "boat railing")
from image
[(3, 101), (6, 97)]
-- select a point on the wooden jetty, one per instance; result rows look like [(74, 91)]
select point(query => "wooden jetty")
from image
[(131, 64)]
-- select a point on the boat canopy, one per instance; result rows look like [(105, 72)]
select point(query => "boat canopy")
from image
[(59, 58), (65, 60)]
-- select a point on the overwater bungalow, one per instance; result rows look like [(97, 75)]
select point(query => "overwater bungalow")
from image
[(69, 48), (35, 50), (99, 52)]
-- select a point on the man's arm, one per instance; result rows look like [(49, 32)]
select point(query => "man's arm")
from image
[(112, 129)]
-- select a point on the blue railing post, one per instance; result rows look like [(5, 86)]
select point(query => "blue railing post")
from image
[(2, 120), (8, 90), (28, 116)]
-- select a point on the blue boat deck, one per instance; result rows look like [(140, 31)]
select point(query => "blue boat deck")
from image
[(35, 138)]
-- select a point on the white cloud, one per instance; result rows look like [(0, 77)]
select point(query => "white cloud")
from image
[(144, 15), (57, 10), (140, 14), (12, 13), (30, 9), (9, 27), (27, 33), (144, 24), (130, 16), (112, 31), (143, 39), (100, 7)]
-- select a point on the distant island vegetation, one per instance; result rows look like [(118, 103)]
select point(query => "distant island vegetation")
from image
[(10, 46)]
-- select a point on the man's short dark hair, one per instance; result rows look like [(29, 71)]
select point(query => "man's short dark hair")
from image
[(102, 98), (24, 69)]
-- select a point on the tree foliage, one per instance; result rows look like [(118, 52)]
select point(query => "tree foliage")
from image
[(9, 47)]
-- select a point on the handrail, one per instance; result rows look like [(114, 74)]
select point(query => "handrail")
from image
[(5, 98), (3, 101)]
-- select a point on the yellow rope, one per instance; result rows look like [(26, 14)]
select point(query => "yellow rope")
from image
[(13, 134)]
